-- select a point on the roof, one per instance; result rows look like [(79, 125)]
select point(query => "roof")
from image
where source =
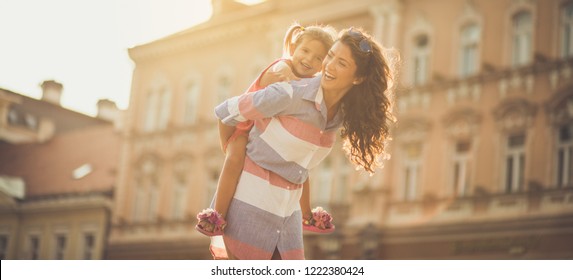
[(48, 168), (64, 119)]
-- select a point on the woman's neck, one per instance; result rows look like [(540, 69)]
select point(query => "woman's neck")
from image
[(332, 101)]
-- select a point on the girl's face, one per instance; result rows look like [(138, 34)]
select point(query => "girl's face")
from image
[(307, 58), (339, 69)]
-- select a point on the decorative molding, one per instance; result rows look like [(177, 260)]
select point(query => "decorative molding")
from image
[(515, 114), (462, 123), (464, 91), (412, 129), (414, 99), (560, 107)]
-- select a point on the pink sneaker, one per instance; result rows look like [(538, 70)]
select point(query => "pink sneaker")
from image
[(210, 222), (321, 222)]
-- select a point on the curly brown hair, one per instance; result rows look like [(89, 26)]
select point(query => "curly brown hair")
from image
[(367, 107)]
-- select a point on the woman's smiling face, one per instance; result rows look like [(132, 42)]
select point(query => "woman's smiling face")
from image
[(339, 69)]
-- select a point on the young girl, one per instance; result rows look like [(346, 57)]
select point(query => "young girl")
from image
[(306, 48)]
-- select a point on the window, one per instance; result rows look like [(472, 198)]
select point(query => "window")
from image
[(153, 206), (522, 38), (151, 112), (3, 246), (567, 31), (212, 185), (411, 171), (514, 163), (139, 203), (60, 246), (565, 156), (34, 247), (157, 110), (461, 168), (421, 57), (470, 36), (146, 192), (340, 189), (223, 88), (191, 100), (179, 204), (164, 108), (88, 246), (323, 189)]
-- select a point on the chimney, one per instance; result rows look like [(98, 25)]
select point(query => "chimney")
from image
[(107, 110), (52, 91)]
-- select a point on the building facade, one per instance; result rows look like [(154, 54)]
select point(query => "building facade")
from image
[(482, 151), (57, 176)]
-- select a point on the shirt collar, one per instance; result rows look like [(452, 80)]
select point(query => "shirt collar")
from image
[(315, 95)]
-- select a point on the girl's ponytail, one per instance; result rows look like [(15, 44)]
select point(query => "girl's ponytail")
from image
[(294, 31)]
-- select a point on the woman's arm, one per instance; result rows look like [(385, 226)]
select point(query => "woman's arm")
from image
[(264, 103)]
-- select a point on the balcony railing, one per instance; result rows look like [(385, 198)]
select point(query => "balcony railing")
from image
[(536, 203)]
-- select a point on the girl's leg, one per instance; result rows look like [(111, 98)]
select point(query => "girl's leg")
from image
[(307, 215), (232, 168), (305, 200)]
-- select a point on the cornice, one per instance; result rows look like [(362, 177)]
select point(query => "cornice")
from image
[(255, 19), (67, 202), (218, 29), (487, 76)]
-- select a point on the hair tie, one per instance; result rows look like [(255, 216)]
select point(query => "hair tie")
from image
[(302, 28)]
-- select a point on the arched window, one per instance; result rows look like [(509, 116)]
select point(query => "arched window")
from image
[(462, 126), (564, 174), (560, 109), (412, 136), (192, 90), (223, 88), (514, 117), (157, 109), (324, 180), (179, 199), (150, 112), (164, 108), (522, 36), (567, 30), (411, 167), (146, 192), (421, 56), (469, 41), (514, 162)]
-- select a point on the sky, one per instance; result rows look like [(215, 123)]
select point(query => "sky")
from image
[(83, 44)]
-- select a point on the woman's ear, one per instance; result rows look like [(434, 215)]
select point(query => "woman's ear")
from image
[(358, 81)]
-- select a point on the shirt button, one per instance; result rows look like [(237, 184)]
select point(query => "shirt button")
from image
[(278, 231), (300, 172)]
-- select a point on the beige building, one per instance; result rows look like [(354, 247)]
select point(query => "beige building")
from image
[(482, 156), (57, 177)]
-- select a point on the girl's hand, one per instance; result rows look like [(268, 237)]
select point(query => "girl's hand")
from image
[(281, 73), (286, 75)]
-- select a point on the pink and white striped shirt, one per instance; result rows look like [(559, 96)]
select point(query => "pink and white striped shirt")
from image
[(291, 133)]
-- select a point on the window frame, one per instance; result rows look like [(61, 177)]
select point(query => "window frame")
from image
[(514, 175), (522, 38), (464, 43)]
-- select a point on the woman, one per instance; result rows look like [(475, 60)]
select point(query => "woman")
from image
[(295, 128)]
